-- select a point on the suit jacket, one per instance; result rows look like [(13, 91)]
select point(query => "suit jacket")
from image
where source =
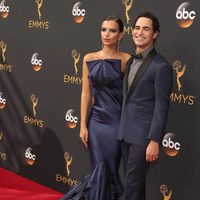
[(145, 105)]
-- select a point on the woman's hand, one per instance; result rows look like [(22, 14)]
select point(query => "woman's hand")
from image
[(84, 136)]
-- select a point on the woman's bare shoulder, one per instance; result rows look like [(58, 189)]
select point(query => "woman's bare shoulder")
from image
[(91, 56), (125, 56)]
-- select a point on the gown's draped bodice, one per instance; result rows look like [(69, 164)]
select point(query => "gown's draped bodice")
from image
[(107, 82)]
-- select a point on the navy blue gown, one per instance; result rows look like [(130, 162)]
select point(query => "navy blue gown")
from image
[(103, 183)]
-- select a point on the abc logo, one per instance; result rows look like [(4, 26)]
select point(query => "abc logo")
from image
[(184, 17), (2, 103), (30, 158), (4, 10), (78, 12), (37, 63), (184, 14), (171, 147), (71, 119)]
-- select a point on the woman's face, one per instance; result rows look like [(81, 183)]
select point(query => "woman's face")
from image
[(110, 34)]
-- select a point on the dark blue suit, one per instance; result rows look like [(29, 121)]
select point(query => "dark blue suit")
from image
[(143, 118)]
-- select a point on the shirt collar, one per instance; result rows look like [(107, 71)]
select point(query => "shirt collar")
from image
[(146, 52)]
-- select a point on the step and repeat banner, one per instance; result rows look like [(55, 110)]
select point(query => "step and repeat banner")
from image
[(42, 44)]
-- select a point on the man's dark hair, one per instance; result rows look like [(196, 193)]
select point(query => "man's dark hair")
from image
[(155, 21)]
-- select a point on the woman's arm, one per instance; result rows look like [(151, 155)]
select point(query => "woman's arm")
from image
[(85, 102)]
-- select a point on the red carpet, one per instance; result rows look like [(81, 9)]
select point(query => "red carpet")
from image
[(14, 187)]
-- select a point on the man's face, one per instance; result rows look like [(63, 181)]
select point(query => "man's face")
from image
[(143, 34)]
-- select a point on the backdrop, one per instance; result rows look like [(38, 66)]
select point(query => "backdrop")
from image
[(42, 44)]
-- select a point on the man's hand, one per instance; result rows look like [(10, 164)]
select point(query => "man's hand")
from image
[(152, 151)]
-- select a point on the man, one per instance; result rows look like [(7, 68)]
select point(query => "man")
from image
[(147, 86)]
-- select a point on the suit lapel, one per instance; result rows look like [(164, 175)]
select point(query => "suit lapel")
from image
[(140, 72), (126, 75)]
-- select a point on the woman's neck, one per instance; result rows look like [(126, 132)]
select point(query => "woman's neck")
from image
[(109, 52)]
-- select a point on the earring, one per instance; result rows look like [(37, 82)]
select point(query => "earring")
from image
[(118, 45)]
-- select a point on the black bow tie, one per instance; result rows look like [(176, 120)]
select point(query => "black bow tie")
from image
[(137, 56)]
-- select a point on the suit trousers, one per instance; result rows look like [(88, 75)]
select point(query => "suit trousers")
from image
[(135, 165)]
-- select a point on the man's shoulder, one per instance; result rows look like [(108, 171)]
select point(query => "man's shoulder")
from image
[(161, 63), (161, 59)]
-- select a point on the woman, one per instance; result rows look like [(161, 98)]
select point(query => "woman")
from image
[(103, 72)]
